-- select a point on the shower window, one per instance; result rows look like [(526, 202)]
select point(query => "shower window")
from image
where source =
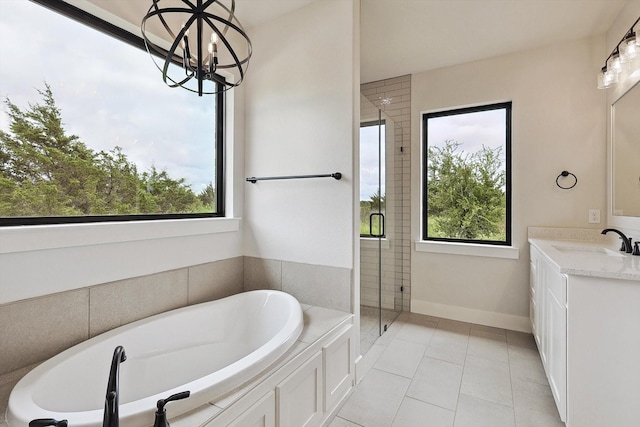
[(372, 179), (467, 175), (88, 130)]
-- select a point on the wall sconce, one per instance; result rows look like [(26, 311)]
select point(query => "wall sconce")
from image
[(204, 37), (624, 57)]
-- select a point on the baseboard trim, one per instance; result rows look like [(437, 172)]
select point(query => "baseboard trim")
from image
[(471, 315)]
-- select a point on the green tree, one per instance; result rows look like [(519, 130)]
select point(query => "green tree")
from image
[(375, 204), (161, 193), (465, 193), (45, 172), (208, 196), (378, 202)]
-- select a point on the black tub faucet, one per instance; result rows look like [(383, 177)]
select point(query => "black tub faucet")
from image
[(626, 242), (111, 417)]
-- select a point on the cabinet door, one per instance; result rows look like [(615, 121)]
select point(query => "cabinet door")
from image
[(300, 395), (260, 414), (542, 275), (533, 305), (557, 342), (338, 360)]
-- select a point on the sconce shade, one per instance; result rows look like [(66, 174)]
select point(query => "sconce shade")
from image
[(607, 78), (628, 48), (623, 59), (202, 38)]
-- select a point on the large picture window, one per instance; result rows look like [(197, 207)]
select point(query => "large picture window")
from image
[(467, 175), (88, 130)]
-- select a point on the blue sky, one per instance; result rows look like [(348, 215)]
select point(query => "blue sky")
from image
[(109, 93)]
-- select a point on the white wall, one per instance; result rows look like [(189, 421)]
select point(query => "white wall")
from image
[(559, 123), (300, 120)]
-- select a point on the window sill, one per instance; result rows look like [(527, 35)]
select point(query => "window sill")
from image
[(372, 243), (470, 249), (43, 237)]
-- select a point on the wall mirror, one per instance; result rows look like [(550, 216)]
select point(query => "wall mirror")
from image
[(625, 150)]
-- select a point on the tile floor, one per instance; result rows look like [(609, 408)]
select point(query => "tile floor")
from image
[(427, 371), (369, 329)]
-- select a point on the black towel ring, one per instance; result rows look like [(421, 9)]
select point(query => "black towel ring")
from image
[(564, 174)]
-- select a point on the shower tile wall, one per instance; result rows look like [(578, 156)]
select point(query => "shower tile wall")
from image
[(397, 257)]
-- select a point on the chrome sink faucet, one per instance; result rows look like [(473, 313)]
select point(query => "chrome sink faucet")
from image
[(626, 241), (111, 417)]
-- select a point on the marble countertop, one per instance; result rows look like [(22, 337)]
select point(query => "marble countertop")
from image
[(595, 259)]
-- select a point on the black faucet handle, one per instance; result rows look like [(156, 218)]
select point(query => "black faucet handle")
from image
[(177, 396), (44, 422), (623, 247), (161, 413), (636, 248)]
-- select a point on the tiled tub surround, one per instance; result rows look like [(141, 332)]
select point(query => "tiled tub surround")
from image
[(34, 330), (323, 286), (209, 349), (321, 325)]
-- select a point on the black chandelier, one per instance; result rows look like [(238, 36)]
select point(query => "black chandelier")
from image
[(220, 44)]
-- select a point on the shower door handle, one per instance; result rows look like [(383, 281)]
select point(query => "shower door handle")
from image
[(381, 215)]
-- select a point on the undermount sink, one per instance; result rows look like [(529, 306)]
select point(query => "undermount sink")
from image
[(588, 250)]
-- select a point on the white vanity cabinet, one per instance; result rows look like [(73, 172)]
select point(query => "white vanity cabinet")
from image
[(536, 301), (549, 324), (556, 336), (585, 314)]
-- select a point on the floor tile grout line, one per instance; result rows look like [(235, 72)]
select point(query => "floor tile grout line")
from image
[(513, 397), (464, 367)]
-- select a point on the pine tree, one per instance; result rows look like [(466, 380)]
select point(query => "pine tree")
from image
[(45, 172)]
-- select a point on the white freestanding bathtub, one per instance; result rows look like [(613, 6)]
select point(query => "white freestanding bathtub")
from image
[(209, 349)]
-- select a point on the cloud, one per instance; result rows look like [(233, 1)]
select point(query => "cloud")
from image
[(369, 162), (472, 130), (109, 93)]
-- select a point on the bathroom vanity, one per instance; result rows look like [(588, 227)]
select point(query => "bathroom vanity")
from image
[(585, 317)]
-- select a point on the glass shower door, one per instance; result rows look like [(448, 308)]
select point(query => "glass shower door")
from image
[(380, 216)]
